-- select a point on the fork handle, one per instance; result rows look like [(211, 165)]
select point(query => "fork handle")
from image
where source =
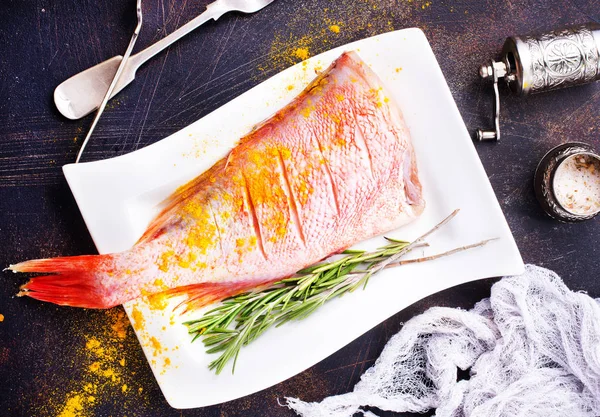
[(213, 11)]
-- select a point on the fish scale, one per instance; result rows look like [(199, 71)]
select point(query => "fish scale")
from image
[(332, 168)]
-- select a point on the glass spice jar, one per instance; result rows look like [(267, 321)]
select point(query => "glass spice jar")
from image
[(567, 182)]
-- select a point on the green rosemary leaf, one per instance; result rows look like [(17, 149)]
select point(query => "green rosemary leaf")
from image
[(352, 252), (196, 336)]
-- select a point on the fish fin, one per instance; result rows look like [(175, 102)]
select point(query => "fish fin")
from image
[(172, 203), (75, 280), (203, 294), (412, 184)]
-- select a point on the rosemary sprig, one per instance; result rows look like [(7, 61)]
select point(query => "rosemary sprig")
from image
[(239, 320)]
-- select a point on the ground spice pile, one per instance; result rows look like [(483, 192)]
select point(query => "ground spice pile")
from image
[(103, 376)]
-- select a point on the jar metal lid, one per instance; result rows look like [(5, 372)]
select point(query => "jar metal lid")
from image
[(544, 180)]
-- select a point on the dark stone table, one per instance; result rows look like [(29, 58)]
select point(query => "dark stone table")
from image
[(45, 366)]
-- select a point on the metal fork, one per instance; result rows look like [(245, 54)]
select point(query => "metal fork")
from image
[(115, 79), (82, 93)]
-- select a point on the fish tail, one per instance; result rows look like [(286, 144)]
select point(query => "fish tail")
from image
[(75, 281)]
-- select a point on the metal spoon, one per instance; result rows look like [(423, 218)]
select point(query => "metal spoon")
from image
[(83, 93), (116, 77)]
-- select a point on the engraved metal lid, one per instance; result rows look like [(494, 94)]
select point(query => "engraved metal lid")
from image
[(558, 59)]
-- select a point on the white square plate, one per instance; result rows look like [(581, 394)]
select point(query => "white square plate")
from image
[(118, 197)]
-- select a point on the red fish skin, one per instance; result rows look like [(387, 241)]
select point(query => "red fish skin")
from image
[(334, 167)]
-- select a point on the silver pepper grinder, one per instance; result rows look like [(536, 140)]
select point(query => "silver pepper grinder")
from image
[(538, 63)]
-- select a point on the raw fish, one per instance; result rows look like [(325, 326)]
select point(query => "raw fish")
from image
[(334, 167)]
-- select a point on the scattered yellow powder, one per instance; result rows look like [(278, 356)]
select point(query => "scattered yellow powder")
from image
[(102, 345), (157, 301), (306, 111), (290, 87), (302, 53), (189, 261), (138, 319), (102, 350), (73, 407), (124, 388), (121, 323), (348, 21), (148, 341), (156, 346), (165, 260), (92, 344), (252, 241), (109, 373), (398, 69)]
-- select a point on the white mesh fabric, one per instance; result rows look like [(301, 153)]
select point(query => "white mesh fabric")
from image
[(533, 349)]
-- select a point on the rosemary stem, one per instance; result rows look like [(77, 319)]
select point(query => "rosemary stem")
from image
[(440, 255)]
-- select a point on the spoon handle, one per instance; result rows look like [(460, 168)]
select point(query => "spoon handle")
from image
[(213, 11)]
